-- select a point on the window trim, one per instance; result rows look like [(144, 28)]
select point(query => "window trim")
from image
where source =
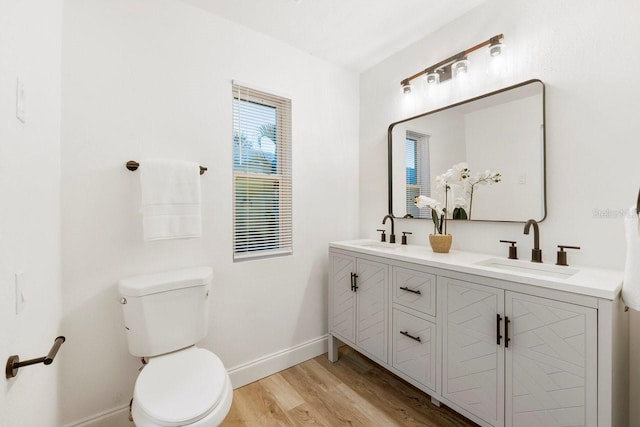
[(283, 176)]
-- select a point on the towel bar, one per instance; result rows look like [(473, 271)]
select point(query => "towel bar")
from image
[(14, 363), (132, 165)]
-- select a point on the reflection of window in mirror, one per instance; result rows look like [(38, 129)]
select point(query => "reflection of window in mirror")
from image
[(417, 172)]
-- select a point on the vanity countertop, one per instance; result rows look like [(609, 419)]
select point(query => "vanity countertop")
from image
[(596, 282)]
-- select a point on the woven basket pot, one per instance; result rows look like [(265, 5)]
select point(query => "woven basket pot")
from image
[(440, 243)]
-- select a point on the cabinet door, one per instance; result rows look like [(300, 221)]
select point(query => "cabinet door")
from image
[(551, 363), (414, 347), (473, 362), (372, 303), (342, 300)]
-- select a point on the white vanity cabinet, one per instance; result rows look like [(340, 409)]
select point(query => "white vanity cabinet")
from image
[(499, 348), (358, 303)]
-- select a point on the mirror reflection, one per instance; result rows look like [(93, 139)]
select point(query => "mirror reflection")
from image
[(482, 159)]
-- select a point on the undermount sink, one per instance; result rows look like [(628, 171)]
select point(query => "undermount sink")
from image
[(536, 269), (381, 245)]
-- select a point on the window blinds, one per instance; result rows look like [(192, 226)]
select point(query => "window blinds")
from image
[(262, 173)]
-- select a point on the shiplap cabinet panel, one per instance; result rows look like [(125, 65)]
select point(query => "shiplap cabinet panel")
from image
[(415, 355), (343, 299), (473, 362), (372, 307), (551, 363), (414, 289)]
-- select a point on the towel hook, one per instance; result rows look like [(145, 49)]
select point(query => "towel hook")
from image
[(132, 165)]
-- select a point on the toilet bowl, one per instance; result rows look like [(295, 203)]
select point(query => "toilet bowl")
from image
[(186, 388), (165, 314)]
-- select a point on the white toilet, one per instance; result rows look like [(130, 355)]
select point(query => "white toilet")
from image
[(165, 314)]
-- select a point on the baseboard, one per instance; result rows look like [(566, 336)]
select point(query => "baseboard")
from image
[(240, 375), (276, 362), (116, 417)]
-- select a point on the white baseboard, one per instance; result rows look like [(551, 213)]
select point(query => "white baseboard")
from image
[(276, 362), (116, 417), (240, 375)]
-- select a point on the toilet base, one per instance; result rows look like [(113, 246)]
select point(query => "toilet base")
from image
[(213, 419)]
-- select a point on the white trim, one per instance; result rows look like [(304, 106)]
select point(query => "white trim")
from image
[(276, 362), (261, 89), (116, 417)]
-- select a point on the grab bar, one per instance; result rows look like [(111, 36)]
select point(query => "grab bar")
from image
[(132, 165), (14, 363)]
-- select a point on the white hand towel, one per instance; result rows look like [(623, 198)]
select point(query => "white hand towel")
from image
[(170, 199), (631, 284)]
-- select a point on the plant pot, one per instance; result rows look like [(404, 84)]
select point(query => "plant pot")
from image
[(440, 243)]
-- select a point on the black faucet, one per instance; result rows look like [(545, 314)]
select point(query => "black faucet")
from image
[(392, 237), (536, 252)]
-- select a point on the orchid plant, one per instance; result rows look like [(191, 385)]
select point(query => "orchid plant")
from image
[(437, 213), (460, 182)]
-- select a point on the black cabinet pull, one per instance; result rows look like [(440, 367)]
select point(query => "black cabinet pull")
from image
[(354, 285), (407, 334), (498, 336), (506, 331), (404, 288)]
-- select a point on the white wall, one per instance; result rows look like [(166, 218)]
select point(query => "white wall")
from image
[(30, 48), (593, 99), (153, 78)]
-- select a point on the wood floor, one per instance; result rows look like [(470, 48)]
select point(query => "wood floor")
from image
[(351, 392)]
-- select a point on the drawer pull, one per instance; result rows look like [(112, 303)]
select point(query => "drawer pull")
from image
[(354, 282), (407, 334), (404, 288), (498, 336)]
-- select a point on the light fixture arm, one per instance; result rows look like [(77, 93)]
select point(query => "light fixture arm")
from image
[(445, 64)]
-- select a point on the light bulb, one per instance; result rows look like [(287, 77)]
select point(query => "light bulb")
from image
[(460, 67)]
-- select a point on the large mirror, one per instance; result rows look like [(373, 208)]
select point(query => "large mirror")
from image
[(498, 137)]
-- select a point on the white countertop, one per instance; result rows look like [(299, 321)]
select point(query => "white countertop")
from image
[(600, 283)]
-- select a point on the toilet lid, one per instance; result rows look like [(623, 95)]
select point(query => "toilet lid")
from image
[(180, 388)]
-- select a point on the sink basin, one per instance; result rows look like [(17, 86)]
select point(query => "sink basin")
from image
[(535, 269), (380, 245)]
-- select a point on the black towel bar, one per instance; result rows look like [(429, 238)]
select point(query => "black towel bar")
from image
[(132, 165)]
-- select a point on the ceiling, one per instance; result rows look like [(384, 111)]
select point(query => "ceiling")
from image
[(356, 34)]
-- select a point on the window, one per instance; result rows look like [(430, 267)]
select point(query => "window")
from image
[(261, 174), (417, 172)]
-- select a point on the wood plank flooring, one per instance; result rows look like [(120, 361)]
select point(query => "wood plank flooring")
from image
[(351, 392)]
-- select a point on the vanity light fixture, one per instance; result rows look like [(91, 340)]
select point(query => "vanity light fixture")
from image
[(460, 66), (406, 87), (454, 65), (433, 78)]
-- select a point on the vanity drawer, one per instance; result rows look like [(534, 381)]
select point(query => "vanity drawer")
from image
[(415, 289), (414, 347)]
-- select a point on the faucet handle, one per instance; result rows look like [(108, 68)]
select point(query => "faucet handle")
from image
[(513, 250), (383, 236), (404, 237), (562, 255)]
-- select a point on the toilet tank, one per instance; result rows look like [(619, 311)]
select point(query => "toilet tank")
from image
[(164, 312)]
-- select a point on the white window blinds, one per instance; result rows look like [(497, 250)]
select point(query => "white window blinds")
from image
[(261, 174)]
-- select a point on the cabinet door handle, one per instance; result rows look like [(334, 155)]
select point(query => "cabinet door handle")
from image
[(506, 331), (404, 288), (354, 282), (498, 336), (351, 281), (407, 334)]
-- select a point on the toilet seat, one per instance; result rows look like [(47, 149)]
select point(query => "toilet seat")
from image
[(181, 388)]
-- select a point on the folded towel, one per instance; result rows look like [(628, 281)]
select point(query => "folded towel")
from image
[(631, 284), (170, 199)]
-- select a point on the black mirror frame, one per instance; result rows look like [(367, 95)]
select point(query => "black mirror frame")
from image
[(544, 145)]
